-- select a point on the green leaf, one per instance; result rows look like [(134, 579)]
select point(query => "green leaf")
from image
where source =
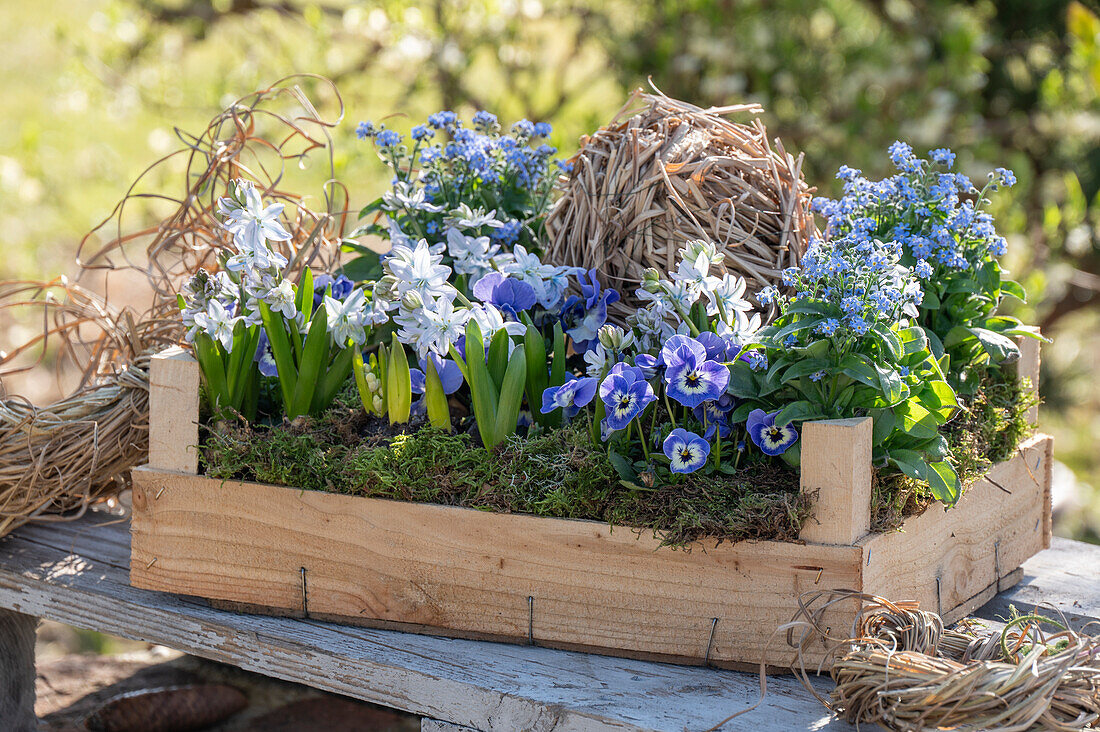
[(359, 368), (511, 395), (889, 339), (805, 367), (363, 268), (282, 353), (315, 353), (333, 379), (208, 354), (537, 377), (943, 398), (305, 289), (944, 482), (800, 410), (483, 392), (623, 466), (398, 383), (792, 328), (1001, 349), (858, 368), (435, 400), (913, 340), (915, 420), (910, 463), (498, 356), (372, 207), (743, 381), (1015, 289), (890, 381)]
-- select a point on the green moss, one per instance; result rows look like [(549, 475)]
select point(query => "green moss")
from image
[(987, 430), (557, 473)]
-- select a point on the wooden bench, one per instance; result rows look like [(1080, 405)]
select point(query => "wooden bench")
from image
[(76, 573)]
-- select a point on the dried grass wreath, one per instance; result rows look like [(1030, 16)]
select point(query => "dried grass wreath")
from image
[(900, 668), (672, 172)]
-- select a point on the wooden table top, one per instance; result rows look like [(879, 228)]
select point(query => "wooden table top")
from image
[(77, 573)]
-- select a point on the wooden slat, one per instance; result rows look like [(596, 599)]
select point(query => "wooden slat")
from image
[(1062, 582), (485, 686), (471, 572), (836, 466), (174, 411), (951, 561)]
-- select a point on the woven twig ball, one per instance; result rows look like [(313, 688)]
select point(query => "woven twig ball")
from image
[(654, 179)]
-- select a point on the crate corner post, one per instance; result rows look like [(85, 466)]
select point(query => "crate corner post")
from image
[(174, 411), (836, 465)]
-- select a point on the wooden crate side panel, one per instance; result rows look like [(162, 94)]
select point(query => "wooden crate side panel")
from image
[(174, 411), (443, 567), (951, 562)]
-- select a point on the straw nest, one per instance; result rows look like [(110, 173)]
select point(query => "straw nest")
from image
[(901, 669), (55, 459), (654, 179)]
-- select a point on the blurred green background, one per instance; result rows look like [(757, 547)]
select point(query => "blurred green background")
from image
[(94, 89)]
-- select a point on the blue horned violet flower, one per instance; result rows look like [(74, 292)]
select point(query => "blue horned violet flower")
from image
[(510, 295), (450, 374), (686, 451), (583, 315), (690, 377), (771, 440), (625, 394), (570, 396)]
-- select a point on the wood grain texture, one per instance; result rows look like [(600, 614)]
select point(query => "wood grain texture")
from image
[(435, 725), (17, 676), (472, 572), (953, 561), (174, 411), (76, 573), (836, 466)]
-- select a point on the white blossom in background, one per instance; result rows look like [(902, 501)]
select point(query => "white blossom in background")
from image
[(598, 359), (405, 196), (464, 217)]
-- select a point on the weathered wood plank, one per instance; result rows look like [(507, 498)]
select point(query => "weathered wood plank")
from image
[(435, 725), (1065, 579), (174, 411), (17, 672), (573, 584), (836, 465), (485, 686), (952, 561)]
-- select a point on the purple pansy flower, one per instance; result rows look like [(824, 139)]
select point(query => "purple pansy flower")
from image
[(686, 451), (450, 374), (691, 379), (714, 415), (341, 287), (570, 396), (265, 360), (625, 395), (647, 363), (510, 295), (583, 316), (771, 440), (679, 347), (719, 348)]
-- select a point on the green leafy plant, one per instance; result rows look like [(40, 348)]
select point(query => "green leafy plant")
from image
[(496, 380)]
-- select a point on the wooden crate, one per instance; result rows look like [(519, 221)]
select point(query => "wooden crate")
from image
[(566, 583)]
